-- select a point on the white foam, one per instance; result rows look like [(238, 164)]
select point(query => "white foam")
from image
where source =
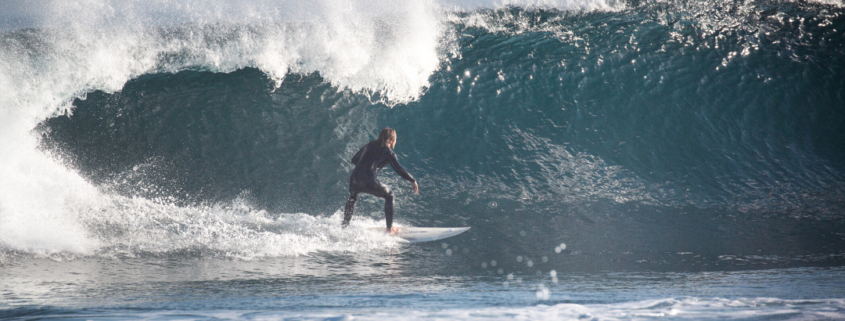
[(133, 225), (40, 200), (675, 308), (565, 5), (837, 3)]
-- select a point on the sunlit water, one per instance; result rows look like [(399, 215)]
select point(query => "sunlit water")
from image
[(404, 285)]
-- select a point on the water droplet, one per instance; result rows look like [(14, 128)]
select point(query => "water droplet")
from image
[(543, 293)]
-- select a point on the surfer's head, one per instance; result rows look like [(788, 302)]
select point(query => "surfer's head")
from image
[(387, 137)]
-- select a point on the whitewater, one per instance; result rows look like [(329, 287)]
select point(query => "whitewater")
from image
[(615, 159)]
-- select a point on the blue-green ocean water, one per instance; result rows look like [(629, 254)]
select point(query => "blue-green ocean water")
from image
[(616, 160)]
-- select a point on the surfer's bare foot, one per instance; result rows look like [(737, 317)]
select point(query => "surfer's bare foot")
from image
[(394, 230)]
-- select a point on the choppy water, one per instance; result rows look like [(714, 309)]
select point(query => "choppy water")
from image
[(636, 159)]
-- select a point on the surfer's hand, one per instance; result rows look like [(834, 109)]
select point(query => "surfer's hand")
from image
[(416, 188), (394, 230)]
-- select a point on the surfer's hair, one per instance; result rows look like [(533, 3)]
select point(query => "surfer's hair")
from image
[(386, 135)]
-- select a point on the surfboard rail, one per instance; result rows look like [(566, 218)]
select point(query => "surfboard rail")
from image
[(424, 234)]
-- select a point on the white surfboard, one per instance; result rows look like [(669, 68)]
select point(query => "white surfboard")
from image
[(425, 234)]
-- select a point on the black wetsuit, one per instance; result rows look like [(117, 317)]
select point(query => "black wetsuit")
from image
[(368, 161)]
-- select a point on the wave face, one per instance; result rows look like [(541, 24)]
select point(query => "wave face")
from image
[(587, 135)]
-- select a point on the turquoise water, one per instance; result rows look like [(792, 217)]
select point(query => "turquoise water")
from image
[(616, 160)]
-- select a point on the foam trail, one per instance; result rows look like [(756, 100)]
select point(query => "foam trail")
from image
[(686, 308), (565, 5), (134, 225)]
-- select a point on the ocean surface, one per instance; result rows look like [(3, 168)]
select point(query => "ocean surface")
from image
[(631, 159)]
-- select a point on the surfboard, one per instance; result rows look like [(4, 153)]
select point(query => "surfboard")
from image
[(425, 234)]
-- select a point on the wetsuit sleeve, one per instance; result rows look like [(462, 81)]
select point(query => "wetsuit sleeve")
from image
[(358, 155), (399, 169)]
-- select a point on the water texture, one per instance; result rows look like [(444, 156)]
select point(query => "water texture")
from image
[(692, 138)]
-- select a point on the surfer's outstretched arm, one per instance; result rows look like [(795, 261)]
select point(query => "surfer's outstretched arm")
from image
[(394, 162)]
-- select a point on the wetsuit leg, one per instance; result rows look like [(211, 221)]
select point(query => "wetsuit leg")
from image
[(373, 188), (388, 210), (350, 208), (380, 190)]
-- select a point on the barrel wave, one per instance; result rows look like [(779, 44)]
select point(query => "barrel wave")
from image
[(641, 135)]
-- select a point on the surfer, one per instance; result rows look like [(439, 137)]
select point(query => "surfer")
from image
[(368, 161)]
